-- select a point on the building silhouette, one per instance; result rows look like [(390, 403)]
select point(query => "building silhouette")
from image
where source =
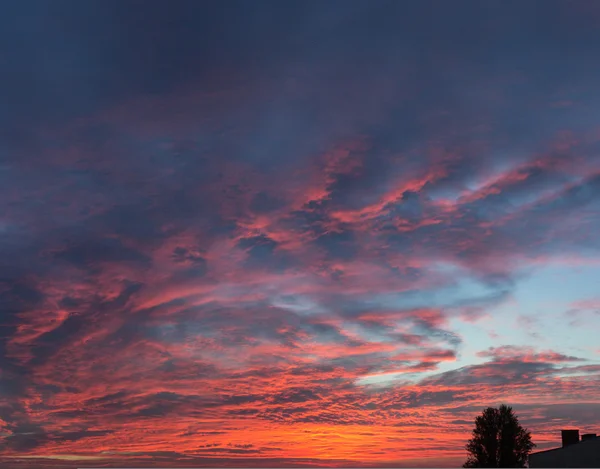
[(573, 452)]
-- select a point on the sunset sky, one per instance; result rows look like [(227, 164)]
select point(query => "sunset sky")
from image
[(293, 233)]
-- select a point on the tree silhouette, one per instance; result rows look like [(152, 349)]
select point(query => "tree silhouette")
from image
[(498, 440)]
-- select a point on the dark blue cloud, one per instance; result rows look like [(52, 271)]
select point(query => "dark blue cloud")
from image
[(341, 244)]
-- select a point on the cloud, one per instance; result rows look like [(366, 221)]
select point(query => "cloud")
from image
[(525, 354), (276, 235)]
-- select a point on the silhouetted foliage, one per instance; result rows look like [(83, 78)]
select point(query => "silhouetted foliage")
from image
[(498, 440)]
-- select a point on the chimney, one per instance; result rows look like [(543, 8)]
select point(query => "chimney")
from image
[(588, 436), (570, 437)]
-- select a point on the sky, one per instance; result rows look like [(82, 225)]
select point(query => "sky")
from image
[(295, 233)]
